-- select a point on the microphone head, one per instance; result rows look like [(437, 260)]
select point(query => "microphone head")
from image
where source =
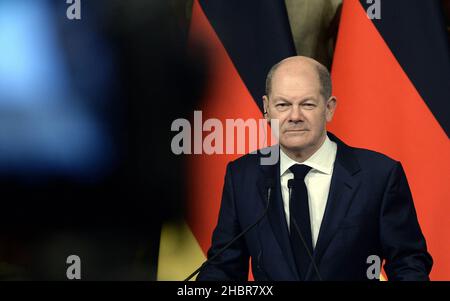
[(291, 183)]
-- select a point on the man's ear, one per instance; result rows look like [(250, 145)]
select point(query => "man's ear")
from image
[(330, 108), (265, 105)]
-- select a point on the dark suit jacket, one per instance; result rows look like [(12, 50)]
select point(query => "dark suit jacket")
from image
[(369, 211)]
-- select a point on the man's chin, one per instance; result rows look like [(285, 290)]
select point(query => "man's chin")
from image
[(293, 146), (294, 142)]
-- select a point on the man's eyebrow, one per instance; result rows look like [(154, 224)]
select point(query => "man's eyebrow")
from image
[(280, 99), (308, 98)]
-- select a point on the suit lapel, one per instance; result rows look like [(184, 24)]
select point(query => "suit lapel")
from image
[(276, 213), (344, 184)]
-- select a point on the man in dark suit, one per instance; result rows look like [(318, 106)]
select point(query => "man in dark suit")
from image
[(331, 209)]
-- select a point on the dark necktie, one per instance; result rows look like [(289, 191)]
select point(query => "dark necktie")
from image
[(299, 211)]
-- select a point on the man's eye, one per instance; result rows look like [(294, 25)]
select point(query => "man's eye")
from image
[(309, 105), (282, 105)]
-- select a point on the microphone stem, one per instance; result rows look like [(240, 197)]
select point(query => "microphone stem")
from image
[(233, 240)]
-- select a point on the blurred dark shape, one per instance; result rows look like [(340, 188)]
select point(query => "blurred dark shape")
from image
[(446, 11), (129, 76)]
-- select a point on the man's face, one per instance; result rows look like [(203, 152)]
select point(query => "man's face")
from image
[(295, 100)]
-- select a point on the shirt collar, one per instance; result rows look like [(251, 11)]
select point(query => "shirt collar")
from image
[(322, 160)]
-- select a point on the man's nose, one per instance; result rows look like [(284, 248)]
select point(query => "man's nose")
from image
[(296, 114)]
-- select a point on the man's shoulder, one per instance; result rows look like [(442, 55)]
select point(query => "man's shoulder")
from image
[(371, 159), (365, 157)]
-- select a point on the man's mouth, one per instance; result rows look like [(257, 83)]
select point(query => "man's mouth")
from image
[(295, 130)]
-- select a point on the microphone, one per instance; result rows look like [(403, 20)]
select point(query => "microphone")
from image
[(291, 185), (269, 185)]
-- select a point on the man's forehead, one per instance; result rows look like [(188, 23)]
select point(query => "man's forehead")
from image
[(295, 79)]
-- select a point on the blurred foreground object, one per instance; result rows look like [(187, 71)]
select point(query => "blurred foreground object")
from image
[(85, 112)]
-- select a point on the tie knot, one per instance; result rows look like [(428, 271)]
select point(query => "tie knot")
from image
[(300, 171)]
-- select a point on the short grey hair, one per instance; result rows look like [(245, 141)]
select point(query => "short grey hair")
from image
[(322, 72)]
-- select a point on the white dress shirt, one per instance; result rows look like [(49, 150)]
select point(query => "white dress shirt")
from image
[(317, 181)]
